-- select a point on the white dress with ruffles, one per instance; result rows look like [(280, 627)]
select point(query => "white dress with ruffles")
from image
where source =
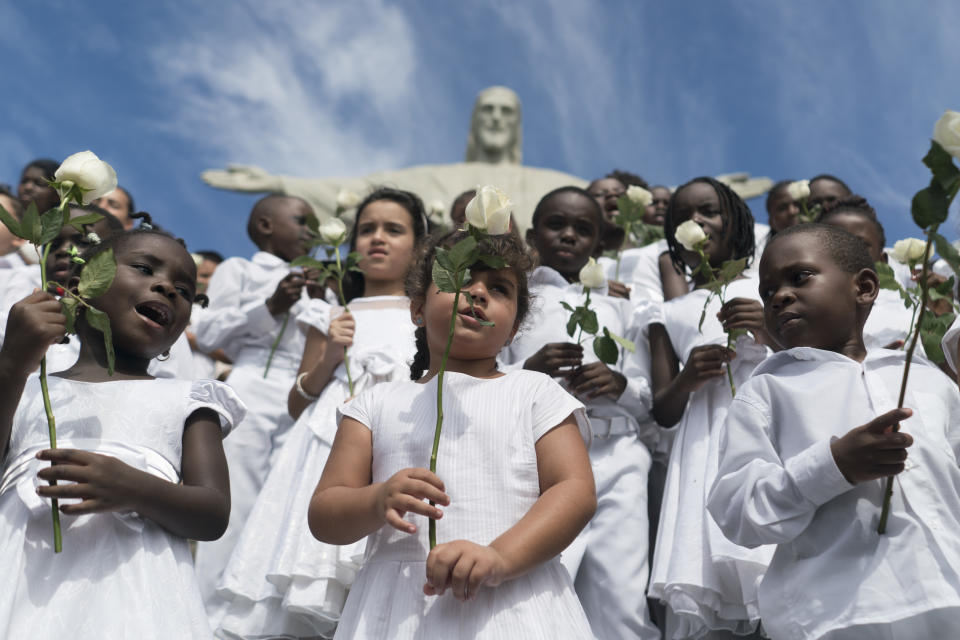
[(708, 582), (488, 463), (281, 582), (119, 575)]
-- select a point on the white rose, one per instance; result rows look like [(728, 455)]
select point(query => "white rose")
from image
[(490, 210), (908, 250), (690, 234), (639, 195), (591, 276), (946, 132), (799, 190), (437, 209), (95, 177), (93, 238), (347, 199), (332, 232)]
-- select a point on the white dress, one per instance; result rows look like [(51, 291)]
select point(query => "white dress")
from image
[(707, 581), (119, 575), (281, 581), (488, 464)]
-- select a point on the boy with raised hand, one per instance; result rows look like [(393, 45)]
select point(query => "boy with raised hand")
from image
[(808, 443)]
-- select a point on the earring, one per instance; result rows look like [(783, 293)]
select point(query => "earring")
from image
[(163, 357), (418, 321)]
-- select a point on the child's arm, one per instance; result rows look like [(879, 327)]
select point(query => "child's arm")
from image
[(671, 385), (673, 282), (34, 324), (321, 355), (758, 498), (347, 505), (567, 501), (198, 508)]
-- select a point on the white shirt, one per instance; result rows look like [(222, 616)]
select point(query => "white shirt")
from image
[(12, 260), (547, 323), (237, 317), (639, 270), (778, 483), (889, 321), (949, 343)]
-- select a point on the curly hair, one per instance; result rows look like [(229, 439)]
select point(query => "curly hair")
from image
[(420, 277), (857, 205)]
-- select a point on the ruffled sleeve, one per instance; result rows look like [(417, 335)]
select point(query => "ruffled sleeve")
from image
[(360, 408), (211, 394), (316, 314), (551, 404)]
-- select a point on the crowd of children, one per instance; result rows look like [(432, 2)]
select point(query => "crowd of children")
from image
[(693, 486)]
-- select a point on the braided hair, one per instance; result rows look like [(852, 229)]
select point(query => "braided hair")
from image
[(735, 213)]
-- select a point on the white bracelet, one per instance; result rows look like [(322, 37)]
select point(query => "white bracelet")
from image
[(298, 386)]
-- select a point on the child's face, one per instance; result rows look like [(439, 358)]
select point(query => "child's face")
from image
[(204, 272), (567, 234), (826, 191), (494, 294), (862, 228), (385, 239), (808, 300), (117, 204), (657, 210), (151, 297), (59, 260), (699, 202), (34, 188), (606, 191), (290, 236), (784, 211)]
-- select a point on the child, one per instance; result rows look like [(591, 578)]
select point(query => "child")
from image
[(33, 186), (826, 189), (252, 316), (782, 210), (140, 463), (608, 561), (119, 204), (889, 322), (9, 243), (281, 581), (797, 471), (513, 478), (707, 583)]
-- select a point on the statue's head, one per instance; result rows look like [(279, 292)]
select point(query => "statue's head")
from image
[(495, 134)]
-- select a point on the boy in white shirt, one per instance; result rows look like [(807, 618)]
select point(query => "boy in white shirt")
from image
[(253, 308), (796, 470)]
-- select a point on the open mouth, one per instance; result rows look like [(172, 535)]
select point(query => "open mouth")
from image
[(155, 312), (472, 316)]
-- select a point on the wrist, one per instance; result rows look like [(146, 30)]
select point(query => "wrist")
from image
[(272, 307)]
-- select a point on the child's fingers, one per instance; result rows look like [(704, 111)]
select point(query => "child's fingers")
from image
[(61, 456), (420, 490), (888, 420), (395, 520), (68, 472), (92, 505), (460, 577), (439, 562), (427, 476), (72, 490), (410, 504)]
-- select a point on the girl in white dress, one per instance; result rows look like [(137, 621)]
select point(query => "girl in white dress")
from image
[(513, 483), (140, 465), (707, 583), (280, 581)]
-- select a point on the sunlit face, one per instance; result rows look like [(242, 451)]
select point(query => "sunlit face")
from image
[(699, 202), (497, 119), (117, 204), (606, 191), (567, 233), (385, 239)]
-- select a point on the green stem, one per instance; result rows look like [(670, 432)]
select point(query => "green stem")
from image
[(436, 433), (276, 341), (586, 305), (924, 292), (733, 387), (343, 302)]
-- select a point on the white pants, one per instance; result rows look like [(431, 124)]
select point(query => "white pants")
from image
[(609, 559), (249, 450)]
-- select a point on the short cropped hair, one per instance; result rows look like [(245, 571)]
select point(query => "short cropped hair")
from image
[(847, 251), (858, 205)]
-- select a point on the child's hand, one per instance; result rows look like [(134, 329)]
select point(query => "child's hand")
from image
[(597, 379), (874, 450), (463, 567), (37, 322), (287, 293), (407, 490), (617, 289), (704, 364), (315, 288), (741, 313), (102, 482), (340, 336), (555, 358)]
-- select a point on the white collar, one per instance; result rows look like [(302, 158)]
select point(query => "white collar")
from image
[(268, 259)]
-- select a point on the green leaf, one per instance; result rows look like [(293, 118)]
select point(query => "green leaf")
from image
[(494, 262), (943, 291), (730, 270), (100, 321), (50, 224), (566, 306), (354, 257), (443, 257), (947, 251), (308, 262), (97, 275), (10, 222), (443, 278), (648, 234), (929, 206), (606, 349), (80, 222), (313, 223), (461, 253), (931, 334), (30, 227), (572, 323), (944, 172), (623, 342), (630, 213), (887, 277), (355, 269), (589, 322), (68, 306)]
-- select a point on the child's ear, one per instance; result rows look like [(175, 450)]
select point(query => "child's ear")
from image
[(868, 286), (416, 313), (611, 239), (264, 226)]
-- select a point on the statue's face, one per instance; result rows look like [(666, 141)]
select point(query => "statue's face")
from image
[(498, 118)]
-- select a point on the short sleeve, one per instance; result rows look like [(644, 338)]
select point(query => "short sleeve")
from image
[(212, 394), (360, 408), (316, 314), (551, 404)]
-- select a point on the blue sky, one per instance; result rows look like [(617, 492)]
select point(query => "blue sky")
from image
[(670, 90)]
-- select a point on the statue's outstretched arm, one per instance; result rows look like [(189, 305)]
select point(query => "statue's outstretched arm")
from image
[(239, 177)]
